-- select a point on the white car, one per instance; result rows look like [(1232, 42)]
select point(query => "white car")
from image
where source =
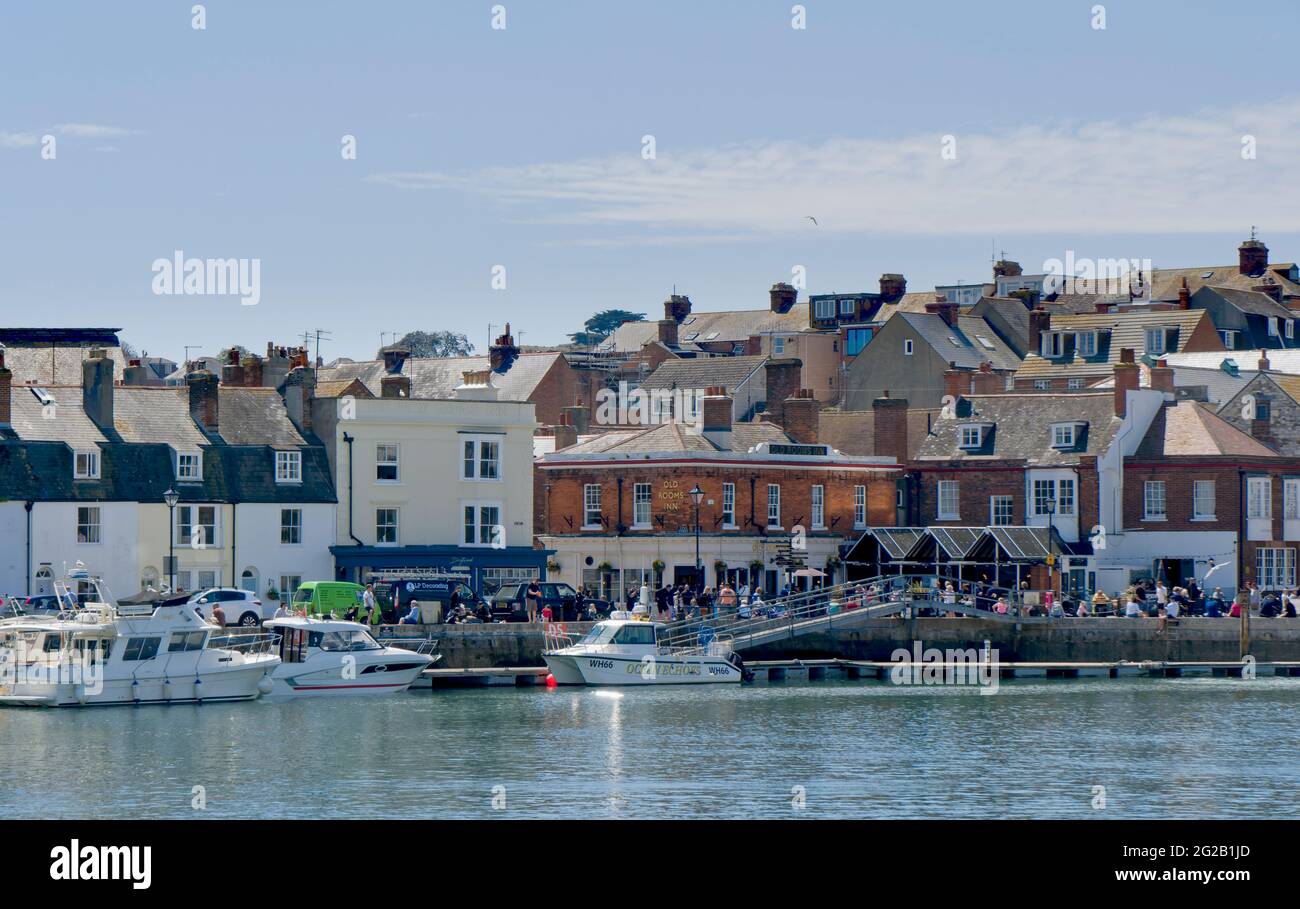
[(240, 606)]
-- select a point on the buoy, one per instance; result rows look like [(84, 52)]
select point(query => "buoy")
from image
[(550, 680), (265, 685)]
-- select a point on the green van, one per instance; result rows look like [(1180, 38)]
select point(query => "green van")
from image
[(332, 597)]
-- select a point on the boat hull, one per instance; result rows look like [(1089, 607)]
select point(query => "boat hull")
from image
[(603, 669), (237, 683), (388, 675)]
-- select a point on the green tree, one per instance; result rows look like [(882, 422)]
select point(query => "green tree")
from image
[(436, 344), (603, 324)]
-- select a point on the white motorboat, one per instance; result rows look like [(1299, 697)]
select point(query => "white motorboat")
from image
[(100, 653), (336, 658), (628, 650)]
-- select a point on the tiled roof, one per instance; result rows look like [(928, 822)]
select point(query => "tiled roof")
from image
[(914, 302), (1166, 282), (1021, 428), (55, 365), (337, 389), (1116, 332), (672, 437), (972, 342), (729, 372), (734, 326), (1188, 429), (438, 377)]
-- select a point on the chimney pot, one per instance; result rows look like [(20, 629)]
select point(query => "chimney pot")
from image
[(892, 288), (782, 297)]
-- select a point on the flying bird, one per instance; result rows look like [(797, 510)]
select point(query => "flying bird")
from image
[(812, 219)]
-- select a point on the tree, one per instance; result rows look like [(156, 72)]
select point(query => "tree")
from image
[(435, 344), (603, 324)]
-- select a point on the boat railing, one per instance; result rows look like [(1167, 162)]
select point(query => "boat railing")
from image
[(247, 644), (556, 636)]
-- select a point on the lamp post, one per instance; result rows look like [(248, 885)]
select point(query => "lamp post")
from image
[(697, 496), (171, 497)]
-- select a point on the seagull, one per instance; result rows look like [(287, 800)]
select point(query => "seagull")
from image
[(812, 219)]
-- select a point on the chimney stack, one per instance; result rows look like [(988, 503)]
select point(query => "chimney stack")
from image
[(1162, 377), (1184, 296), (1127, 378), (783, 379), (395, 386), (986, 381), (802, 413), (1263, 364), (204, 399), (577, 416), (135, 373), (566, 436), (1005, 268), (668, 332), (890, 435), (1252, 257), (1040, 320), (97, 388), (715, 416), (299, 391), (6, 390), (892, 288), (783, 297), (956, 382), (944, 310), (275, 367), (252, 364), (677, 307), (395, 358), (232, 373), (503, 353)]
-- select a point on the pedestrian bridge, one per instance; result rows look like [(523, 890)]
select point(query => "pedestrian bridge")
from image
[(819, 611)]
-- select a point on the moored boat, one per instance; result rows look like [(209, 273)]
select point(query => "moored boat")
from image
[(334, 658), (627, 650)]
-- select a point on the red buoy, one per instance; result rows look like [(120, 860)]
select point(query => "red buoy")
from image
[(550, 680)]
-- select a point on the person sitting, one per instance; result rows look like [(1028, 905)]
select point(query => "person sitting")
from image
[(1270, 607), (413, 616), (1132, 608), (1290, 603), (1214, 604)]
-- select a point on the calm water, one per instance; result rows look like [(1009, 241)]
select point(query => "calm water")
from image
[(1162, 748)]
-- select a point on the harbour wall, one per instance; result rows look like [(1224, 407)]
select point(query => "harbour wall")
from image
[(1088, 640)]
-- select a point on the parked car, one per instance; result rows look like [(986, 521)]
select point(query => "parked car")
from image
[(241, 607), (42, 603), (510, 603)]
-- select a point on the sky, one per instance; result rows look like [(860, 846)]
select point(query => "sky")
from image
[(923, 137)]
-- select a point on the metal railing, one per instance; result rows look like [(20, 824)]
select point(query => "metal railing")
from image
[(247, 644)]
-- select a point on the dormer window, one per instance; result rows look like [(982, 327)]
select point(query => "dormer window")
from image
[(1065, 435), (85, 465), (1273, 329), (288, 467), (1162, 340), (1085, 343), (972, 435), (189, 466), (1052, 344), (824, 309), (1290, 329)]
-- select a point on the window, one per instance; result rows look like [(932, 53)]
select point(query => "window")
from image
[(1153, 500), (483, 525), (641, 505), (1044, 496), (1229, 339), (1290, 329), (1052, 344), (1162, 340), (1001, 510), (907, 347), (1275, 568), (141, 649), (971, 436), (773, 505), (591, 506), (387, 469), (386, 520), (482, 459), (1273, 329), (857, 338), (728, 504), (189, 467), (846, 307), (196, 524), (1085, 343), (288, 467), (818, 507), (1042, 384), (289, 584), (291, 526), (1291, 499), (1259, 494), (1063, 435), (949, 509), (1074, 383), (824, 309), (1065, 496), (86, 465), (1203, 505), (778, 346), (1263, 410), (187, 640), (859, 506), (88, 524)]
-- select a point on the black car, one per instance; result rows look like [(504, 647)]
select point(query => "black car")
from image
[(510, 603)]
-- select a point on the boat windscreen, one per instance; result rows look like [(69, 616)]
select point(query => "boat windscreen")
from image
[(601, 634)]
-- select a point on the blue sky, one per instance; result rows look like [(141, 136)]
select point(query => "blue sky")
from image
[(479, 147)]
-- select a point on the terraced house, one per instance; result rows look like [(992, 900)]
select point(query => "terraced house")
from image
[(84, 468)]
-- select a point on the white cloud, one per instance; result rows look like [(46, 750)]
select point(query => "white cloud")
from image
[(18, 140), (1159, 174), (91, 131)]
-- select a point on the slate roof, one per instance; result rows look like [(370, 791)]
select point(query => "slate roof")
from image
[(1116, 331), (1006, 314), (971, 342), (913, 302), (438, 377), (70, 423), (729, 372), (1021, 428), (1285, 361), (733, 326), (1248, 301), (1191, 429), (256, 416), (59, 365), (162, 414), (341, 387), (1165, 282)]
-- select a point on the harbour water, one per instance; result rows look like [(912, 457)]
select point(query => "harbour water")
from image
[(1203, 747)]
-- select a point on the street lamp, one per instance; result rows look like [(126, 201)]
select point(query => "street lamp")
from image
[(171, 497), (697, 496)]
